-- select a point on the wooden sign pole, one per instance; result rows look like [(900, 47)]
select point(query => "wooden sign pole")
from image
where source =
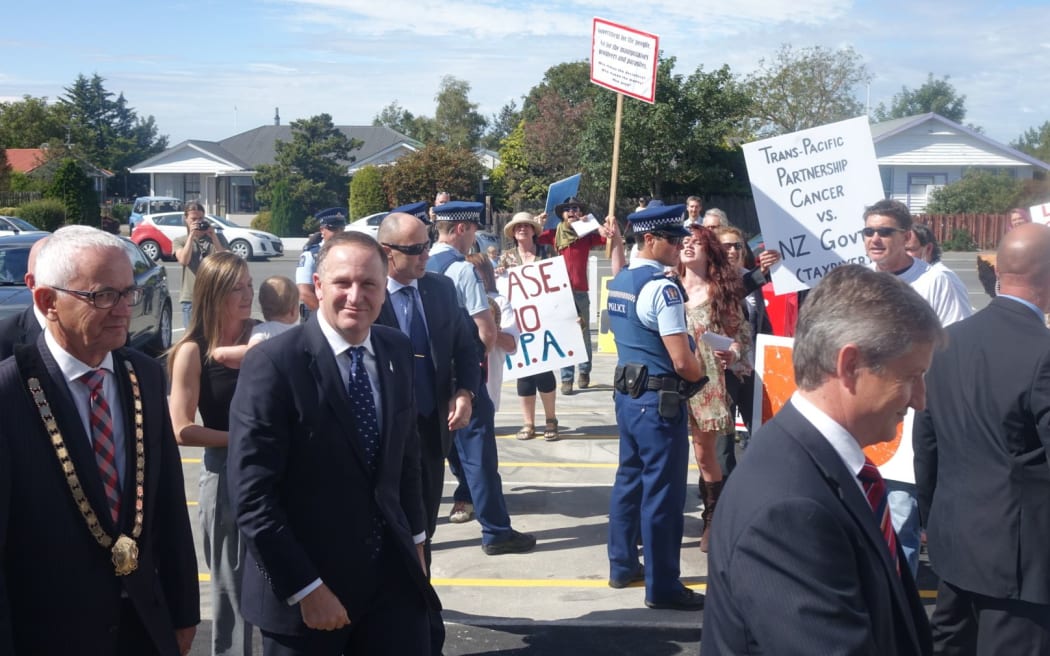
[(615, 165)]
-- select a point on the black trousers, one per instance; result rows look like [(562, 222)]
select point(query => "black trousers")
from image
[(970, 624)]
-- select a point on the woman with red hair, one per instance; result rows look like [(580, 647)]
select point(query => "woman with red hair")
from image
[(715, 295)]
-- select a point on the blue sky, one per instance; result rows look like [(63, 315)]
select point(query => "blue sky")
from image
[(208, 69)]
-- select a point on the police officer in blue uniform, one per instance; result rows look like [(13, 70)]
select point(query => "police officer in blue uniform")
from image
[(332, 221), (656, 373), (457, 224)]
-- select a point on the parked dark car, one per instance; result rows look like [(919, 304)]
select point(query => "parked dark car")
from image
[(150, 329)]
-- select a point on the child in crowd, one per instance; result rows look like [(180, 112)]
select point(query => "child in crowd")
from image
[(279, 300)]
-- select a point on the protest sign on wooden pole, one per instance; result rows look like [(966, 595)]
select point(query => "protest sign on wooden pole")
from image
[(623, 59)]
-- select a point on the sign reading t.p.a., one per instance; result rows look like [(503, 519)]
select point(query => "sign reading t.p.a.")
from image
[(810, 189), (542, 301)]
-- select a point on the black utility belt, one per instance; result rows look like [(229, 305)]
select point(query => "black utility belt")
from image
[(634, 379)]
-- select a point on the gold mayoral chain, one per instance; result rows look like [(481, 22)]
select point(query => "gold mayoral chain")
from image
[(124, 550)]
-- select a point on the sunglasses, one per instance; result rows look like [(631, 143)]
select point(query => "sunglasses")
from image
[(673, 240), (411, 249), (572, 208), (882, 232), (734, 246)]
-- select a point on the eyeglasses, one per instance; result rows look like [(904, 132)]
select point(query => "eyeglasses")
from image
[(882, 232), (733, 246), (107, 298), (411, 249), (673, 240)]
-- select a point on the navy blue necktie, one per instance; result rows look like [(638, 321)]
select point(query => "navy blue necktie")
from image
[(363, 406), (426, 404)]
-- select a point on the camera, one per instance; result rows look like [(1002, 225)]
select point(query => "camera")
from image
[(202, 226)]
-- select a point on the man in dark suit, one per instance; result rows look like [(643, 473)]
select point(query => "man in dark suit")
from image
[(804, 559), (324, 473), (981, 464), (450, 366), (95, 543), (26, 326)]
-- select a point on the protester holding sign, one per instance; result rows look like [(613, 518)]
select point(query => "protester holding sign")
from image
[(523, 229), (713, 308), (576, 249)]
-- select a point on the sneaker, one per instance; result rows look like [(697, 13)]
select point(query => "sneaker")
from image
[(516, 543), (639, 575), (462, 512), (566, 387), (585, 381)]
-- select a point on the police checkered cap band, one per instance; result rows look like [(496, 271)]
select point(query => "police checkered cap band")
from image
[(668, 217), (459, 210), (418, 210)]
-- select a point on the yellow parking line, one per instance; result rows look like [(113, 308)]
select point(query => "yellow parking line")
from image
[(191, 461)]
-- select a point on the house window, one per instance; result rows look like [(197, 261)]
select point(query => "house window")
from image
[(920, 186), (191, 186)]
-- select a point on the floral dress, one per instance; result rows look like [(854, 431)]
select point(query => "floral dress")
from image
[(709, 408)]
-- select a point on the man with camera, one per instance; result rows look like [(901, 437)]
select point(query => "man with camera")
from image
[(201, 240), (656, 373)]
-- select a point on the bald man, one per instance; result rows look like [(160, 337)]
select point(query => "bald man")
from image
[(981, 463), (26, 326)]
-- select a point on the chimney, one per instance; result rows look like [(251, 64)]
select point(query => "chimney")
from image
[(276, 115)]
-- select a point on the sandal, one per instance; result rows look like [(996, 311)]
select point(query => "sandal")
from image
[(527, 432), (550, 431)]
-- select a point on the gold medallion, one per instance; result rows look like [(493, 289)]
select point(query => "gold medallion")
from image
[(125, 555)]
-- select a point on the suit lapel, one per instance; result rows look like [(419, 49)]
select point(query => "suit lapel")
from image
[(332, 387), (388, 378), (846, 488)]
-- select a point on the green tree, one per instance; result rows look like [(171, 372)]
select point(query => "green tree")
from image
[(399, 119), (74, 189), (433, 168), (30, 123), (366, 193), (313, 165), (977, 192), (457, 122), (5, 171), (569, 80), (804, 88), (937, 96), (501, 124), (106, 132), (286, 218), (1035, 142), (674, 145)]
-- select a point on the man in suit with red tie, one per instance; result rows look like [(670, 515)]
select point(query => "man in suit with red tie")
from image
[(95, 543), (981, 464), (324, 473), (804, 559)]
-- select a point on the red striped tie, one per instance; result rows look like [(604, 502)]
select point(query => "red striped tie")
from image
[(875, 490), (102, 439)]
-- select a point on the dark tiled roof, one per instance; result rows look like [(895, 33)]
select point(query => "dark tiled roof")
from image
[(257, 146)]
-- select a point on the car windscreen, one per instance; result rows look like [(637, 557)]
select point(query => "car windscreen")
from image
[(13, 264)]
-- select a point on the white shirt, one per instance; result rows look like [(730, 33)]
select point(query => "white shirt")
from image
[(72, 369)]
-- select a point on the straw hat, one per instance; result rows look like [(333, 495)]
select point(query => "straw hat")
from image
[(518, 219)]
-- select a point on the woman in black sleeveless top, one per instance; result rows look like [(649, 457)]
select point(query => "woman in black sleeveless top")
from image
[(200, 381)]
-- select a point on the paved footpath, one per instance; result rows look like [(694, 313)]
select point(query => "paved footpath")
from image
[(554, 600)]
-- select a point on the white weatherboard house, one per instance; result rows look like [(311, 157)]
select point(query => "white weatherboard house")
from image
[(221, 174), (918, 154)]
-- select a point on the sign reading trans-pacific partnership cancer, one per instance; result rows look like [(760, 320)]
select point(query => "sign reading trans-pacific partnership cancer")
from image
[(811, 188), (541, 298), (624, 59)]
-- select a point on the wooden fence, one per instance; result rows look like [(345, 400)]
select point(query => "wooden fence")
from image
[(985, 229), (17, 198)]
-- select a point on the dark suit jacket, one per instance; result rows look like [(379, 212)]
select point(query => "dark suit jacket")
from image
[(21, 328), (453, 343), (58, 592), (981, 455), (797, 562), (304, 497)]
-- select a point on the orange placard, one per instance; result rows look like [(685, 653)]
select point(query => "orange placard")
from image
[(775, 383)]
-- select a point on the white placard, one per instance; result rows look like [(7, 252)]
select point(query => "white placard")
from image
[(1040, 213), (542, 300), (585, 225), (810, 189), (624, 59)]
